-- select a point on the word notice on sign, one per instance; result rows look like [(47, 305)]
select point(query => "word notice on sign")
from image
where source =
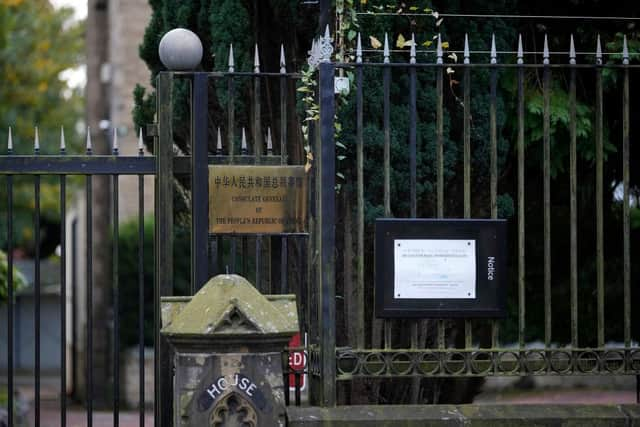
[(434, 269), (257, 199)]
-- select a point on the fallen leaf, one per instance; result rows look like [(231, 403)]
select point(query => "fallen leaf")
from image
[(450, 70), (453, 56), (445, 45), (375, 43), (427, 43), (400, 42)]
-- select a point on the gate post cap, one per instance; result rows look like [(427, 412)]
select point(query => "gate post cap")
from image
[(180, 50)]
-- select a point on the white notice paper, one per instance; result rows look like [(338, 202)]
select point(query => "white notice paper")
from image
[(432, 269)]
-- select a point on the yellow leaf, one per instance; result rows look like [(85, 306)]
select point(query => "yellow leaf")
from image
[(375, 43), (363, 1), (427, 43), (413, 8), (400, 42), (445, 45)]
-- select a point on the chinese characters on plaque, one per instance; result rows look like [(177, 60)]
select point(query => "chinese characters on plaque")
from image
[(257, 199)]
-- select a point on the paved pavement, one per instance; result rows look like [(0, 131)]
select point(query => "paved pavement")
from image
[(76, 415)]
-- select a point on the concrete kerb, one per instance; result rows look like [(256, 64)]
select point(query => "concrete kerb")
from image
[(466, 415)]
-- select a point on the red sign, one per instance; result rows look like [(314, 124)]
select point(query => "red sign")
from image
[(297, 362)]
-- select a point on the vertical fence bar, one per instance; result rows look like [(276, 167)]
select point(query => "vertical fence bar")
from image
[(573, 203), (163, 244), (63, 289), (231, 107), (141, 299), (386, 83), (326, 245), (36, 227), (626, 224), (386, 88), (413, 154), (284, 242), (89, 294), (440, 159), (546, 165), (116, 295), (219, 243), (493, 162), (466, 101), (521, 199), (200, 181), (10, 297), (257, 151), (599, 198), (283, 108), (360, 315)]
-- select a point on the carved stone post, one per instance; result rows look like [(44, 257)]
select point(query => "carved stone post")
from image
[(228, 341)]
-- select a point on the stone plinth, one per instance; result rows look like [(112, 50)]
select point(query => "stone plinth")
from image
[(228, 341)]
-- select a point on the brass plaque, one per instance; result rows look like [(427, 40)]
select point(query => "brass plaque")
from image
[(257, 199)]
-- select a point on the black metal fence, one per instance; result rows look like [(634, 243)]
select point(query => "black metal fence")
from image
[(65, 166), (441, 348), (274, 263), (307, 264)]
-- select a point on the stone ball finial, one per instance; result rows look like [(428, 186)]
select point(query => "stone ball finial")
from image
[(180, 50)]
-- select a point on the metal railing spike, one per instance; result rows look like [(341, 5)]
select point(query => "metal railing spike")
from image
[(243, 145), (283, 63), (467, 52), (10, 142), (386, 49), (114, 143), (572, 51), (256, 60), (231, 61), (140, 142), (63, 143), (219, 143), (89, 146), (327, 32), (439, 50), (269, 142), (545, 53), (625, 51), (412, 52), (598, 51), (520, 50), (494, 52), (36, 141), (359, 50)]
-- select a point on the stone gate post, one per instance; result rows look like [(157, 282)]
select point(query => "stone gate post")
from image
[(228, 341)]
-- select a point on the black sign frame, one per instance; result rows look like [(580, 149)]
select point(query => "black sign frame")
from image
[(490, 297)]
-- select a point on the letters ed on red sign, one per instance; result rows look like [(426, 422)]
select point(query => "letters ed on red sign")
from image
[(297, 362)]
